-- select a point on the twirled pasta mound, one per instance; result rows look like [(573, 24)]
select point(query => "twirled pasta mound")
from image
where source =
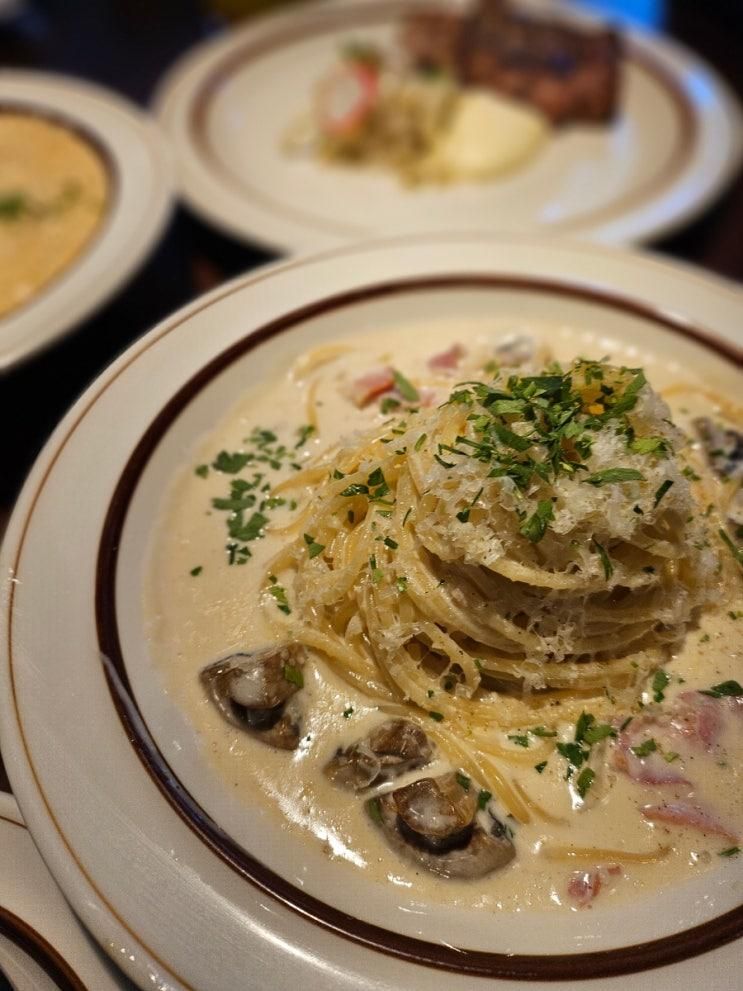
[(526, 549)]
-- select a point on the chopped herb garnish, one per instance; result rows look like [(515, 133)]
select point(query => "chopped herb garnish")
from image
[(519, 739), (279, 593), (605, 559), (376, 573), (584, 781), (313, 548), (540, 766), (662, 489), (196, 571), (338, 475), (347, 713), (303, 435), (611, 475), (646, 747), (670, 756), (726, 689), (535, 526), (374, 808), (573, 753), (202, 471), (293, 675), (597, 732), (660, 682), (483, 798), (737, 552), (689, 473), (406, 389), (463, 781), (649, 445), (420, 442), (732, 851), (388, 404), (230, 464), (401, 584), (542, 731), (392, 544), (355, 489), (437, 716)]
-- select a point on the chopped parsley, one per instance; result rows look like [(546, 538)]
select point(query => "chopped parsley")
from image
[(660, 682), (519, 740), (279, 594), (230, 464), (483, 798), (542, 731), (732, 851), (611, 475), (374, 809), (196, 571), (649, 445), (406, 389), (392, 544), (202, 471), (737, 552), (313, 548), (401, 583), (605, 559), (584, 781), (303, 434), (645, 748), (662, 489), (347, 713), (388, 404), (540, 766), (726, 689), (463, 781), (355, 489), (535, 526), (293, 675), (436, 716)]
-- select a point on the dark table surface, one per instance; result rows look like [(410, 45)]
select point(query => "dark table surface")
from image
[(127, 44)]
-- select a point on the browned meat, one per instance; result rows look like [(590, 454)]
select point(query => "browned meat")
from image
[(567, 73)]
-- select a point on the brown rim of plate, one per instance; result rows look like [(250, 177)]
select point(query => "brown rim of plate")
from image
[(33, 944), (113, 184), (605, 963), (320, 21)]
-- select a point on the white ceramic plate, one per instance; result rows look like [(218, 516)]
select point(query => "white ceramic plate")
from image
[(140, 181), (42, 945), (151, 848), (227, 104)]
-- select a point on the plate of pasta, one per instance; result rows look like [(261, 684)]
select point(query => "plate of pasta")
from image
[(405, 627)]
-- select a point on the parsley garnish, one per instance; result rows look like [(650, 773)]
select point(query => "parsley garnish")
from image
[(463, 781), (402, 584), (437, 716), (420, 442), (731, 851), (313, 548), (726, 689), (662, 489), (279, 593), (611, 475), (646, 747), (483, 798), (535, 527), (374, 808), (347, 713), (355, 489), (230, 464), (304, 433), (293, 675), (406, 389), (737, 552), (660, 682), (519, 740), (202, 471), (388, 404), (584, 781), (605, 559), (649, 445), (196, 571), (542, 731), (540, 767)]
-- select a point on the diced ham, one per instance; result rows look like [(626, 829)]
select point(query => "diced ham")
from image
[(584, 886), (694, 816), (346, 98), (370, 385), (698, 718), (447, 360)]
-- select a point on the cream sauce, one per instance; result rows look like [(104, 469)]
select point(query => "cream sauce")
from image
[(196, 619)]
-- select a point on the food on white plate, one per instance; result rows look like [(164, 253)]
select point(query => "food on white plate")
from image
[(470, 96), (54, 187), (487, 600)]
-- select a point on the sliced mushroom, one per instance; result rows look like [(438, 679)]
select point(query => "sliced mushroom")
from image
[(433, 822), (255, 692), (389, 750), (724, 449)]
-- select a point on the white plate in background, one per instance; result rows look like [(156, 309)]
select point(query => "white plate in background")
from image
[(227, 104), (140, 193), (195, 889), (43, 947)]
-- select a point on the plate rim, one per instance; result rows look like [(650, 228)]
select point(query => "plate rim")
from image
[(45, 464), (51, 96), (185, 81)]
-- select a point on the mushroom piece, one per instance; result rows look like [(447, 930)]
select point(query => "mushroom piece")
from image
[(255, 692), (434, 823), (389, 750), (724, 449)]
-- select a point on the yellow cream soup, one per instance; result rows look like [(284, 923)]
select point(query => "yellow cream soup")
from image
[(201, 609), (53, 191)]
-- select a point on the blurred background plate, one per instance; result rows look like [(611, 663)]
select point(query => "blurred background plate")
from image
[(228, 103), (139, 190), (42, 945)]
